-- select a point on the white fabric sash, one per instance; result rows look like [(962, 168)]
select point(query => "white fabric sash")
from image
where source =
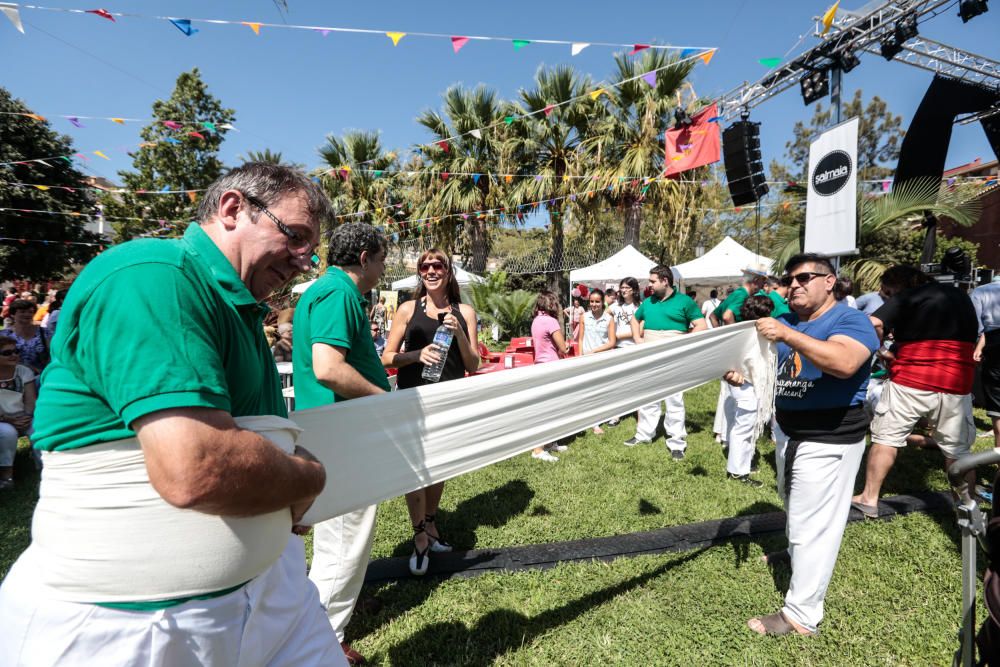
[(101, 532), (380, 447)]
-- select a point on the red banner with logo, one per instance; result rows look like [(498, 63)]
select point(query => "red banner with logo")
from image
[(695, 145)]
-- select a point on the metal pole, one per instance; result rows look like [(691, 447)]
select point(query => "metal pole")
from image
[(835, 90)]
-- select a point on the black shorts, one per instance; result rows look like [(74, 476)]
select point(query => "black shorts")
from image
[(990, 370)]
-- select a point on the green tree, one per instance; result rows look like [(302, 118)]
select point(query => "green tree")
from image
[(627, 140), (267, 156), (48, 249), (479, 155), (361, 177), (184, 157)]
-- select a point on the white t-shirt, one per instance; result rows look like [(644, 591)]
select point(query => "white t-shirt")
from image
[(623, 312), (595, 330), (12, 390), (706, 309)]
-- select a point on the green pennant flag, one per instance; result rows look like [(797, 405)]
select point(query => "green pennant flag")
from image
[(508, 119), (770, 63), (520, 43), (378, 172)]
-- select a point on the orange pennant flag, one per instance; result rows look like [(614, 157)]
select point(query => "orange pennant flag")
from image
[(253, 26), (508, 178), (395, 37), (120, 121), (707, 56), (35, 116), (192, 196)]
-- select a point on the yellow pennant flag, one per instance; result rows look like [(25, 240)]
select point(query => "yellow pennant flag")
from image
[(829, 16), (42, 187), (597, 93), (395, 37), (120, 121), (253, 26), (100, 154), (707, 56)]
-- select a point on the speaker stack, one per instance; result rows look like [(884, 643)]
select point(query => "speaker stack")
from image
[(744, 169)]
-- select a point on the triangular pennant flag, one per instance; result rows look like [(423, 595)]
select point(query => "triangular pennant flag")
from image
[(395, 37), (184, 25), (228, 126), (323, 31), (829, 16), (172, 124), (458, 42), (770, 63), (193, 196), (377, 173), (208, 126), (103, 13), (476, 133), (597, 93), (63, 157), (43, 188), (445, 175), (714, 119), (35, 116), (636, 48), (43, 162), (520, 44), (253, 26), (444, 146), (508, 178), (165, 188), (120, 121), (76, 121), (707, 56), (199, 135), (538, 177), (12, 14), (548, 109), (650, 78), (100, 154), (577, 47), (171, 140), (475, 178), (686, 53), (508, 119)]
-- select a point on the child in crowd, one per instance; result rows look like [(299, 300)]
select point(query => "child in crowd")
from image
[(550, 345)]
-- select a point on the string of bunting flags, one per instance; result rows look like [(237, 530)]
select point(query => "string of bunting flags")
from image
[(456, 42), (76, 120)]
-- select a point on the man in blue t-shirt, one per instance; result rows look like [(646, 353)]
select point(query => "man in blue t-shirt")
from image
[(824, 354)]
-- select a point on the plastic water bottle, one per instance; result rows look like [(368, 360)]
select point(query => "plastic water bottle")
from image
[(442, 341)]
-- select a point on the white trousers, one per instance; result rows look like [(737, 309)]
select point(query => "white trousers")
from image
[(342, 547), (817, 507), (723, 411), (740, 436), (649, 417), (274, 620)]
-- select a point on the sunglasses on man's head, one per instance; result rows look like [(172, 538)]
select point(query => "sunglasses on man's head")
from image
[(428, 266)]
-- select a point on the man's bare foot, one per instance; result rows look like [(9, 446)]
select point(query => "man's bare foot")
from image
[(776, 624)]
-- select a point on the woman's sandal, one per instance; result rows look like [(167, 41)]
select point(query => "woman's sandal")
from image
[(437, 544), (777, 625), (419, 561)]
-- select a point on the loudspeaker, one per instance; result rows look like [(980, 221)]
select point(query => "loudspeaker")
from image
[(991, 126), (744, 167)]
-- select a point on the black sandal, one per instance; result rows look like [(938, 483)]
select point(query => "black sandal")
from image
[(437, 544), (419, 561)]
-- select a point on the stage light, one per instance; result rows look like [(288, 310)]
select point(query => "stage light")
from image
[(815, 86), (970, 9), (892, 43), (681, 118), (847, 61)]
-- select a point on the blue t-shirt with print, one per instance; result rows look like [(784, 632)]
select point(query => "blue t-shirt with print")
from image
[(802, 386)]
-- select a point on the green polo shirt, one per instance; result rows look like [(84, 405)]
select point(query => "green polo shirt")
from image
[(780, 305), (675, 313), (151, 325), (332, 311), (733, 302)]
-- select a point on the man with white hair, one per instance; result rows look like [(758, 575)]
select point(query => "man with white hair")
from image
[(163, 533)]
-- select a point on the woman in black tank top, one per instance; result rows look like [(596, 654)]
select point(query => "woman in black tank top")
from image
[(409, 348)]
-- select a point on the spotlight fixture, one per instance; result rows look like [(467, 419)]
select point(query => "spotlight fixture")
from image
[(815, 86), (892, 43), (681, 118), (847, 60), (970, 9)]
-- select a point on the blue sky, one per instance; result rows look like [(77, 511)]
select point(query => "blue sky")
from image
[(291, 88)]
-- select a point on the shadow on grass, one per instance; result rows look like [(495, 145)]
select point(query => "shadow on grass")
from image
[(647, 508), (491, 508), (503, 630), (18, 506)]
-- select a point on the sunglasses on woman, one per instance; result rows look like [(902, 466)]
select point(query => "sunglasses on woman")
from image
[(8, 353), (426, 267)]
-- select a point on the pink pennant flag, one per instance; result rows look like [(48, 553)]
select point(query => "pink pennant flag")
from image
[(82, 157), (458, 42), (650, 78), (173, 125), (636, 48), (548, 109), (323, 31), (885, 186), (103, 13)]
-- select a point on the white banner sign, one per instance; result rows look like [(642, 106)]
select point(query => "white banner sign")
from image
[(831, 205)]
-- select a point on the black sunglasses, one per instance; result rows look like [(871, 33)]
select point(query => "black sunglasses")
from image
[(8, 353), (805, 277)]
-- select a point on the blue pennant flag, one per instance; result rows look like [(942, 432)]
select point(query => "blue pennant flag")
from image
[(184, 25), (475, 178), (688, 52)]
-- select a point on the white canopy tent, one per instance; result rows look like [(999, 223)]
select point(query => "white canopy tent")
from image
[(626, 262), (722, 264), (464, 279)]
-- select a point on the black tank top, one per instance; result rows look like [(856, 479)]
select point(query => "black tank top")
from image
[(419, 334)]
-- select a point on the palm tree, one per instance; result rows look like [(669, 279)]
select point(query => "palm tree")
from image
[(458, 150), (267, 156), (901, 209), (627, 139), (547, 143), (361, 177)]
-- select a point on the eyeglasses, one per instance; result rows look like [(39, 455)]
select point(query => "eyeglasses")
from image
[(8, 353), (427, 266), (296, 243), (806, 276)]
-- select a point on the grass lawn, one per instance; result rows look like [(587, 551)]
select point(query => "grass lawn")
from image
[(894, 599)]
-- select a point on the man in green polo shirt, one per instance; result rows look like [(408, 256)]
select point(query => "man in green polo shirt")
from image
[(728, 311), (335, 360), (777, 291), (163, 530), (666, 314)]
